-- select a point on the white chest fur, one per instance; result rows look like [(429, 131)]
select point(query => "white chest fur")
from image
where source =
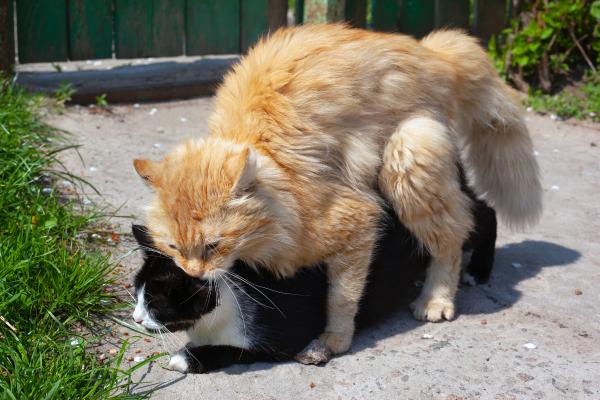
[(224, 325)]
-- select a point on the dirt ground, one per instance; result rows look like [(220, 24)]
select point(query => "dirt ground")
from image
[(532, 333)]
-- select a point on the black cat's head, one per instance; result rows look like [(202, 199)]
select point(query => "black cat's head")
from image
[(167, 298)]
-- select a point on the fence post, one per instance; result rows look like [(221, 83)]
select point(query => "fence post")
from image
[(490, 18), (7, 40)]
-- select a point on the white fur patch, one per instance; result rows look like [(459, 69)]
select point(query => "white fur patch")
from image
[(141, 314), (224, 325), (179, 363)]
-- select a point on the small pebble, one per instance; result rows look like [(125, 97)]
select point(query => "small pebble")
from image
[(129, 359), (87, 201), (75, 342), (536, 153), (47, 190), (555, 150), (157, 145), (147, 340), (97, 63), (160, 129), (529, 109), (483, 322), (516, 265), (112, 352), (95, 236), (593, 144), (530, 346), (592, 114), (138, 359), (153, 111), (183, 119), (553, 117), (312, 385), (555, 187), (92, 169), (101, 356), (136, 105), (426, 336), (578, 292)]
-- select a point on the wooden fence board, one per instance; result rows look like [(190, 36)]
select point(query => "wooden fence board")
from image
[(385, 15), (417, 17), (7, 39), (90, 29), (490, 17), (42, 30), (356, 13), (212, 28), (452, 14), (149, 28), (254, 22)]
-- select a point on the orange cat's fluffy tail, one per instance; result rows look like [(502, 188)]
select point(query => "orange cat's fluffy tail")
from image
[(496, 147)]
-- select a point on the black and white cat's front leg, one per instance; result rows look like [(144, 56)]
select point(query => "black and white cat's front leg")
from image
[(203, 359)]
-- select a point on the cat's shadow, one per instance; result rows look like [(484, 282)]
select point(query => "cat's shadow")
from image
[(514, 263)]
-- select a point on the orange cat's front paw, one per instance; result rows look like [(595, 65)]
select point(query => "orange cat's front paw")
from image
[(336, 342), (433, 309)]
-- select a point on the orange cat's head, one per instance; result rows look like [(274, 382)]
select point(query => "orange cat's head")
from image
[(209, 207)]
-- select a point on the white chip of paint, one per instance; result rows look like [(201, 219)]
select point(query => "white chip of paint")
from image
[(530, 346), (529, 109), (517, 265), (553, 117), (157, 145), (138, 359), (183, 119), (96, 63), (555, 187), (426, 336), (153, 111), (136, 105), (92, 169)]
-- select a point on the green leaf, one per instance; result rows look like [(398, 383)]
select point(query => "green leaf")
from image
[(546, 33), (595, 9), (50, 223)]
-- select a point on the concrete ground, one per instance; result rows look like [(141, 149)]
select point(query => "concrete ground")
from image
[(532, 333)]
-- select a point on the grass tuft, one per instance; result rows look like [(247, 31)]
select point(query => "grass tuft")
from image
[(52, 288)]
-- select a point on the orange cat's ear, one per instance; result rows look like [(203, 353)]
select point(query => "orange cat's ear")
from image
[(242, 169), (148, 170)]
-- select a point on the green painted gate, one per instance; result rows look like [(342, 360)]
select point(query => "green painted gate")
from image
[(57, 30)]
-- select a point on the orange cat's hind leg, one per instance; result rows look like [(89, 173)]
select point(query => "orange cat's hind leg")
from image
[(419, 177)]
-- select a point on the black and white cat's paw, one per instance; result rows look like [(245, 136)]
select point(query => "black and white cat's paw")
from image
[(182, 362)]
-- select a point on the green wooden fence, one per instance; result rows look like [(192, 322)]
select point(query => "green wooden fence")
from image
[(57, 30), (415, 17)]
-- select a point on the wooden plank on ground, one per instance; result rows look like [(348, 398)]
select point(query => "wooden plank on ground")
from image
[(385, 15), (149, 28), (90, 29), (42, 30), (7, 39), (254, 22), (154, 82), (489, 18), (212, 27), (417, 17), (452, 14)]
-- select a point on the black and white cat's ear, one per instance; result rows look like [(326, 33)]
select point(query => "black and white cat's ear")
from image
[(142, 236), (243, 170)]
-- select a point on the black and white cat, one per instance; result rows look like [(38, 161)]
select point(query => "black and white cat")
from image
[(248, 316)]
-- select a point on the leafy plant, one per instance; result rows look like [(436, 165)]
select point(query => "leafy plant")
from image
[(64, 92), (101, 101), (547, 41)]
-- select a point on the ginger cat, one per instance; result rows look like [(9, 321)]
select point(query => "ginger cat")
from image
[(309, 126)]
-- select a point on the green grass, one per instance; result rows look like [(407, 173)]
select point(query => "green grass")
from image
[(52, 287), (580, 102)]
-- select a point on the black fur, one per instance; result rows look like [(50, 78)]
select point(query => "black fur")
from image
[(280, 332)]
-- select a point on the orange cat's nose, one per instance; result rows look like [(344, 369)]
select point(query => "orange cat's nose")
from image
[(193, 268)]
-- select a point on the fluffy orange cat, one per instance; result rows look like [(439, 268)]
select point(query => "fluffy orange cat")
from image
[(309, 126)]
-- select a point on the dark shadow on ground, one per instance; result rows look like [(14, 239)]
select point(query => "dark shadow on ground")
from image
[(500, 293)]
